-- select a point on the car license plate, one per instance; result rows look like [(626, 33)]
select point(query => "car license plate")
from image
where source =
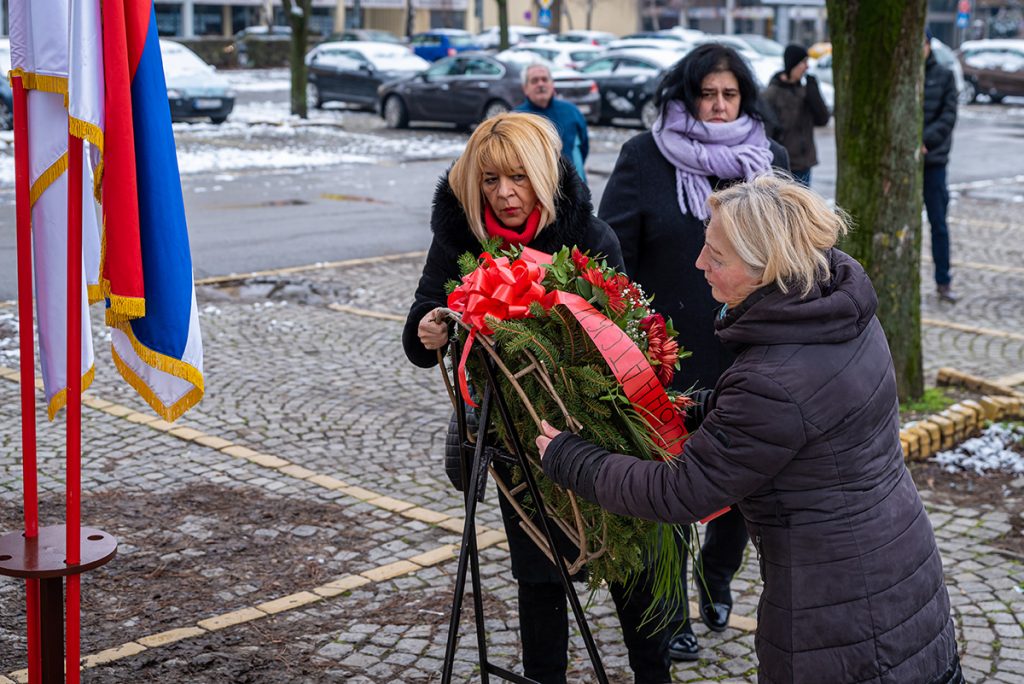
[(206, 103), (584, 108)]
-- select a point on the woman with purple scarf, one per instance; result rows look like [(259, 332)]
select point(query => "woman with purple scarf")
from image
[(709, 135)]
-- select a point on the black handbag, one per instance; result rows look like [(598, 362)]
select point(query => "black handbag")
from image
[(452, 452)]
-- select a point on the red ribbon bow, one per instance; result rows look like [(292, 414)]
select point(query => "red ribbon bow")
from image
[(498, 288)]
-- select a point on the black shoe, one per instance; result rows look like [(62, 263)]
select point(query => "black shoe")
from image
[(684, 647), (946, 294), (715, 615)]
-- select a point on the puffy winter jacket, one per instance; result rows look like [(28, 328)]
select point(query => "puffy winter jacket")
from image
[(803, 435)]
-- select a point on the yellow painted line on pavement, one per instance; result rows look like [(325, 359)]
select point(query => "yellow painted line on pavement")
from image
[(216, 280), (988, 332), (283, 604), (368, 313)]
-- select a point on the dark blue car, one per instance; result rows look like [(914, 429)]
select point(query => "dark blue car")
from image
[(437, 43)]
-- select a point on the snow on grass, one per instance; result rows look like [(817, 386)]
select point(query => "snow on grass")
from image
[(257, 80), (990, 451)]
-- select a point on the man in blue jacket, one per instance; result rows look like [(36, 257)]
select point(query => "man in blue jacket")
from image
[(939, 118), (572, 127)]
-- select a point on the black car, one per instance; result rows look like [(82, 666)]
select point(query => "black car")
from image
[(352, 71), (466, 89), (627, 80)]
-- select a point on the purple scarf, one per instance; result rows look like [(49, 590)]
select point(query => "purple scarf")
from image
[(738, 149)]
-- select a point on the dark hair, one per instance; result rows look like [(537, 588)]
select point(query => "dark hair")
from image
[(683, 81)]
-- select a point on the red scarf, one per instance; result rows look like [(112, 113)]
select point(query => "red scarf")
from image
[(496, 228)]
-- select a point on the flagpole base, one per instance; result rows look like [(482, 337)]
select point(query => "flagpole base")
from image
[(43, 558)]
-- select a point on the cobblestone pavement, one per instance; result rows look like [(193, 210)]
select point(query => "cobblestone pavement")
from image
[(313, 416)]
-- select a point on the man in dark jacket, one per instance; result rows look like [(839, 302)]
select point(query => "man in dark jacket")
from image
[(795, 100), (939, 119)]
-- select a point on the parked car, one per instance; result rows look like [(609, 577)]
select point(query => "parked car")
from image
[(586, 37), (241, 40), (570, 84), (992, 67), (491, 38), (766, 47), (363, 36), (688, 35), (649, 43), (764, 67), (351, 71), (194, 88), (437, 43), (562, 55), (6, 95), (464, 90), (628, 79)]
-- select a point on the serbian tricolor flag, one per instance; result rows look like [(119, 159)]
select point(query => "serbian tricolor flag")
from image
[(160, 352)]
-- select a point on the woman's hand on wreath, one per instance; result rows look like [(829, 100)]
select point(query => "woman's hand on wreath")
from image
[(547, 434), (432, 330)]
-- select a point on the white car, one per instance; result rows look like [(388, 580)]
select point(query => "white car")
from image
[(763, 67), (194, 88), (491, 38), (564, 55), (688, 35), (586, 37), (649, 44)]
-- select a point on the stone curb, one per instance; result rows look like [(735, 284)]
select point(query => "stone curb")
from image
[(924, 438)]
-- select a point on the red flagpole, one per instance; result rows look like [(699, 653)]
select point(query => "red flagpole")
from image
[(30, 495), (74, 406)]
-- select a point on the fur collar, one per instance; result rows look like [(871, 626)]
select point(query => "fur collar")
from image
[(573, 211)]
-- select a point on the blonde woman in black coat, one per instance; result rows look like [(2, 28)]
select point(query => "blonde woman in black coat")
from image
[(511, 183), (802, 436)]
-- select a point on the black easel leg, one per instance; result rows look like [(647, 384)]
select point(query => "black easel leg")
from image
[(468, 554), (570, 591)]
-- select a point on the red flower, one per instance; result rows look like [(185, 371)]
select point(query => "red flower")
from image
[(580, 259), (662, 351), (612, 288)]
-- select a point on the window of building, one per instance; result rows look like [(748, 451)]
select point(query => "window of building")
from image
[(208, 20), (168, 19)]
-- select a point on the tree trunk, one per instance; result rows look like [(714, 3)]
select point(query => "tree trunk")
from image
[(502, 24), (878, 72), (556, 17), (297, 12)]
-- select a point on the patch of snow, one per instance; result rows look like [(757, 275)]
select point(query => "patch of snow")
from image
[(257, 80), (990, 451)]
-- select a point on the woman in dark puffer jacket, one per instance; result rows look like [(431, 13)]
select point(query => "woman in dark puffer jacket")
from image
[(802, 434)]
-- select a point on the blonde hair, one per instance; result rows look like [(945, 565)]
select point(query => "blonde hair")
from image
[(780, 229), (508, 142)]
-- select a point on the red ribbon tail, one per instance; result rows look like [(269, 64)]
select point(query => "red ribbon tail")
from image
[(463, 385), (715, 515)]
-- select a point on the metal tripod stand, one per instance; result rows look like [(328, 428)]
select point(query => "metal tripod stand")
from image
[(475, 462)]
